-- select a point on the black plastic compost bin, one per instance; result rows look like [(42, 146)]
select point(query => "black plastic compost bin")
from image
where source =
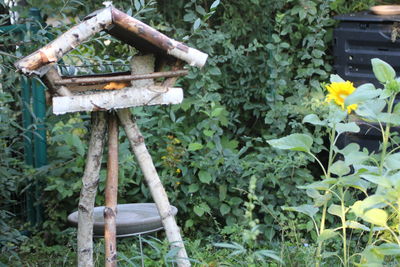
[(358, 38)]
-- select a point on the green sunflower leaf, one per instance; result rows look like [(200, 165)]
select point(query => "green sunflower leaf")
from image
[(294, 142), (382, 70), (362, 93)]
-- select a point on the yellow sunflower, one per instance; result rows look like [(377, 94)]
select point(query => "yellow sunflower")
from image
[(338, 91)]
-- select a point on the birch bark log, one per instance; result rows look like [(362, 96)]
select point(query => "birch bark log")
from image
[(90, 181), (153, 181)]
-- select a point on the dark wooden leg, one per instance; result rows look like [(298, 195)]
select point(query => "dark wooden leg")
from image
[(111, 192)]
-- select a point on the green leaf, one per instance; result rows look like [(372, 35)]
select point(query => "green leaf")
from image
[(77, 143), (214, 71), (326, 234), (385, 94), (313, 119), (198, 210), (320, 185), (295, 142), (216, 112), (396, 108), (224, 209), (205, 177), (370, 109), (137, 5), (319, 200), (388, 249), (336, 114), (371, 258), (356, 225), (189, 223), (201, 10), (377, 179), (201, 209), (339, 168), (285, 45), (196, 24), (395, 180), (328, 254), (357, 208), (309, 210), (362, 93), (234, 246), (382, 70), (353, 155), (388, 118), (268, 254), (335, 210), (374, 201), (311, 192), (350, 127), (376, 216), (392, 162), (229, 144), (361, 168), (222, 192), (193, 188), (334, 78), (355, 182), (214, 4), (317, 53), (208, 133), (195, 146)]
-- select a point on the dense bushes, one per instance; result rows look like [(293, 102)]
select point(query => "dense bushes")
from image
[(267, 59)]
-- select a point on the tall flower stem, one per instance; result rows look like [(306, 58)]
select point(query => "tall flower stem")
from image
[(327, 175), (385, 141), (343, 219), (386, 134)]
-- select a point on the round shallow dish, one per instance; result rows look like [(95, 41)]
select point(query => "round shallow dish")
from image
[(132, 219), (386, 10)]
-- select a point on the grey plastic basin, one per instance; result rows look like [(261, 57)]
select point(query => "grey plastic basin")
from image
[(132, 219)]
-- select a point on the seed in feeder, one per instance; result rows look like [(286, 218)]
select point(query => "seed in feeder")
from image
[(115, 85)]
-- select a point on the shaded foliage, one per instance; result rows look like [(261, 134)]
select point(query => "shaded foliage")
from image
[(267, 59)]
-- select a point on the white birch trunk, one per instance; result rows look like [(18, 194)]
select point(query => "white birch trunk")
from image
[(90, 181), (116, 99), (153, 181)]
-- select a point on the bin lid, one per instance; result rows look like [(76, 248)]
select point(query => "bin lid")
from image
[(367, 16), (131, 219)]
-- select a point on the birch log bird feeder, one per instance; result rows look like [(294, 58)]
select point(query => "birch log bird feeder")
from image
[(108, 97)]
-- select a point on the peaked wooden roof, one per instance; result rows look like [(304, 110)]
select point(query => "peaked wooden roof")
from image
[(118, 24)]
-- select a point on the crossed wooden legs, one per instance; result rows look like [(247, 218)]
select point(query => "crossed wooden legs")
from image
[(91, 178)]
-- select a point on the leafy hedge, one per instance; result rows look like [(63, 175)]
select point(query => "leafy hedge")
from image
[(267, 59)]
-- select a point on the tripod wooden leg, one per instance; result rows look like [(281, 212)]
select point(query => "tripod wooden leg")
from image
[(153, 181), (111, 192), (90, 181)]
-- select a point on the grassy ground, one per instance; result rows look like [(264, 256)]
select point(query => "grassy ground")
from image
[(155, 252)]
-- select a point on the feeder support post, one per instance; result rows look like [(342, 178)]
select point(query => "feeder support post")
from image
[(90, 181), (153, 181), (111, 192)]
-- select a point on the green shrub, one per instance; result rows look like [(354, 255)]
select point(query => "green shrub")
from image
[(267, 59)]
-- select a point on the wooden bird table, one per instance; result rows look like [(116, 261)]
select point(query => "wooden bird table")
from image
[(100, 121), (109, 108)]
